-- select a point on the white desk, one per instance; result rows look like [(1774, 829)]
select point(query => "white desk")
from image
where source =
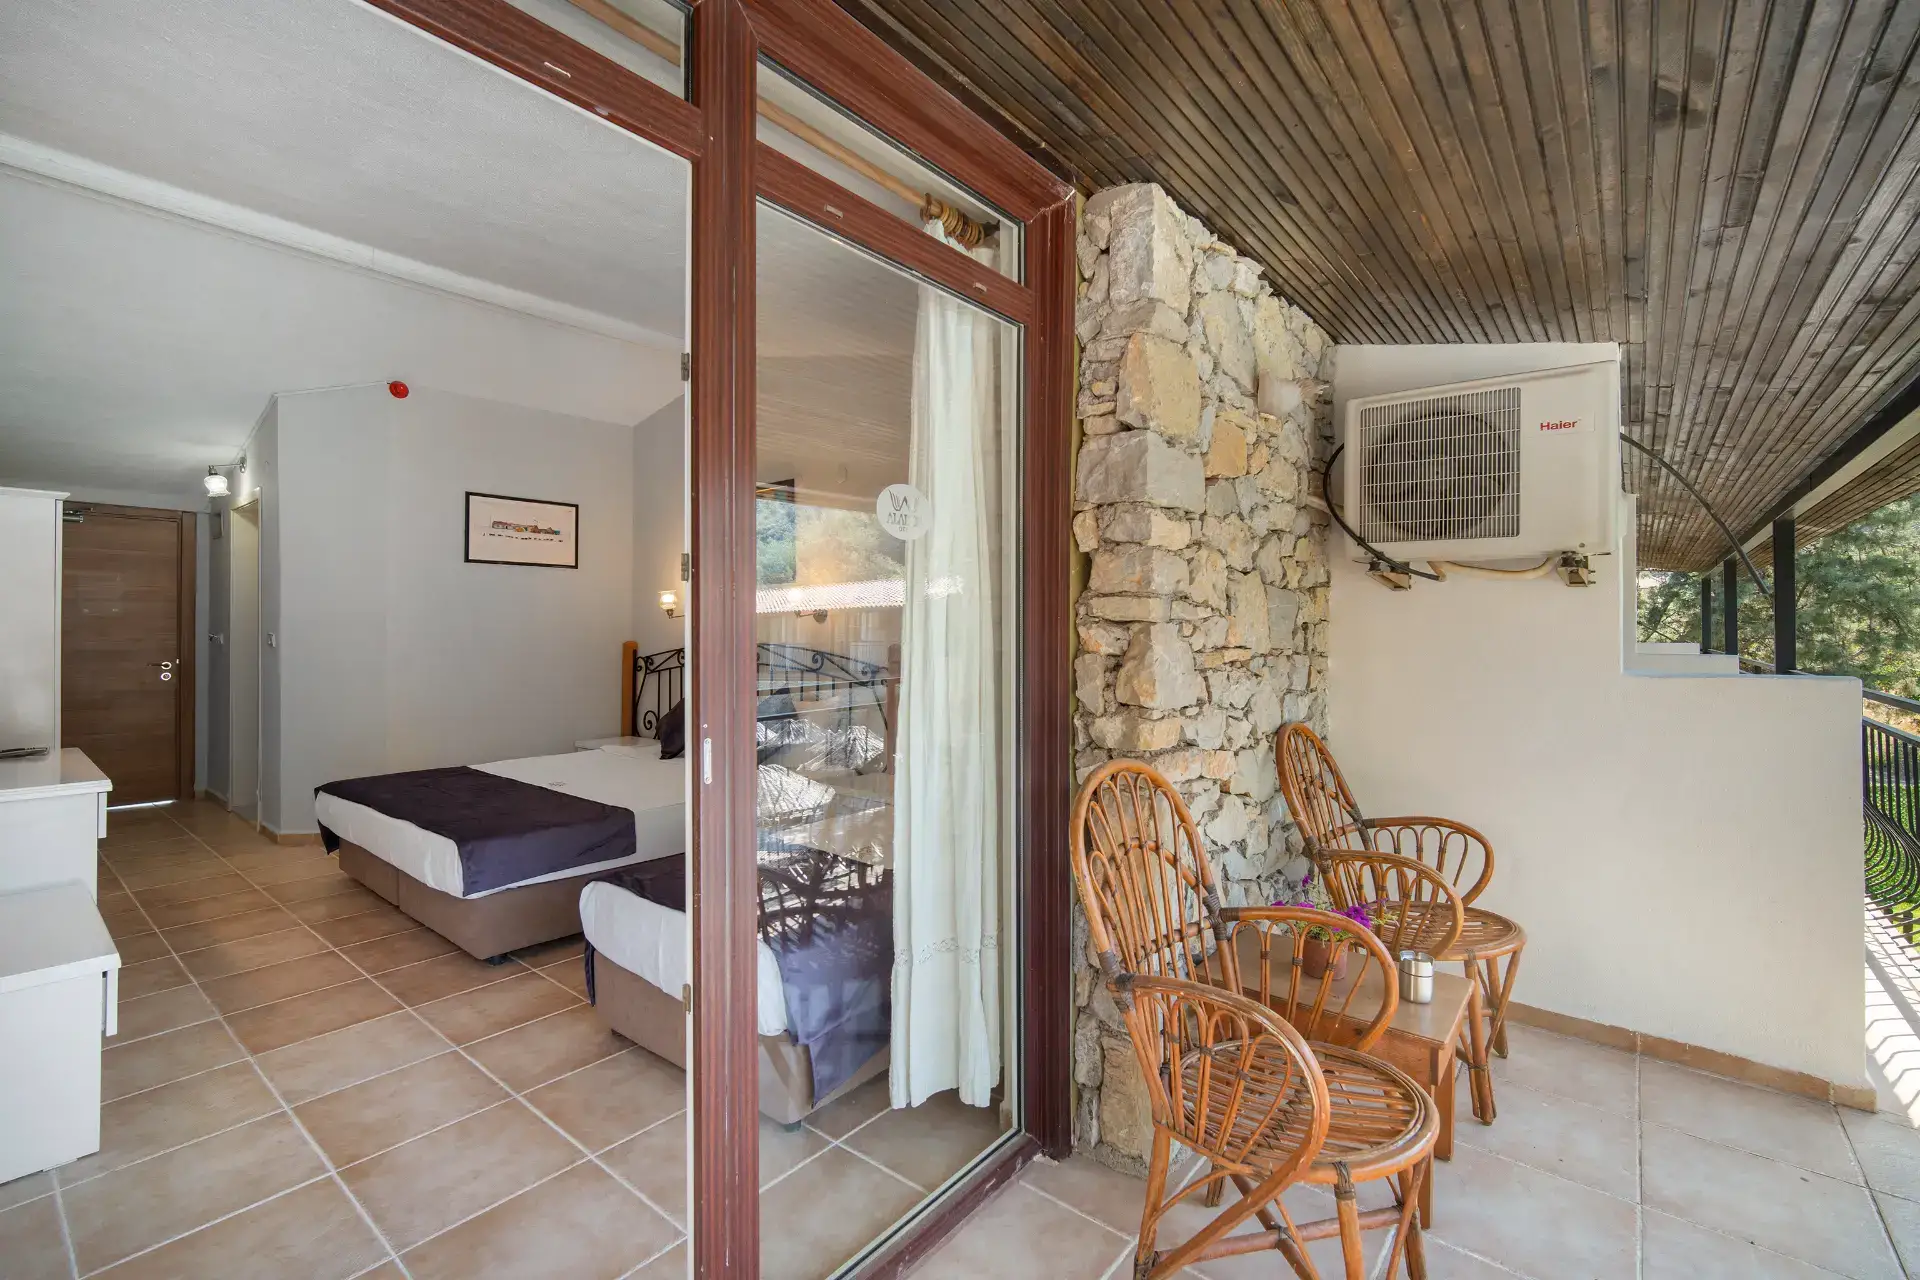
[(59, 993), (53, 811)]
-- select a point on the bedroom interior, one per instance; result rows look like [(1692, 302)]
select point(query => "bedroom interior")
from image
[(405, 975)]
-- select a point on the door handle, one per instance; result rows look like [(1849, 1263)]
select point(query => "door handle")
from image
[(166, 668)]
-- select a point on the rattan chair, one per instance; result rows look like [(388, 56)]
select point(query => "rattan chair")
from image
[(1488, 945), (1157, 923)]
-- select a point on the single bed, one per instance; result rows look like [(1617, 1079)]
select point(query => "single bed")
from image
[(493, 857), (824, 973)]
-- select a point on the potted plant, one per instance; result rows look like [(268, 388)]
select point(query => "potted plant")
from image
[(1317, 949)]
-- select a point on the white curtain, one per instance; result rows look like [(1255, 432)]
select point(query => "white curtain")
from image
[(947, 791)]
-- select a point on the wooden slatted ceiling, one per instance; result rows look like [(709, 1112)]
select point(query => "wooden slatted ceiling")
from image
[(1894, 477), (1728, 188)]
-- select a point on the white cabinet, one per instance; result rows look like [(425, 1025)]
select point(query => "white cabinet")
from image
[(30, 618), (53, 811), (59, 985)]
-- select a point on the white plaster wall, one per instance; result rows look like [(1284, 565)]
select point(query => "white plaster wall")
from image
[(659, 526), (1684, 851), (393, 653)]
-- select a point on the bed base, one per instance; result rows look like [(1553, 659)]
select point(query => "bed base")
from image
[(484, 928), (657, 1022)]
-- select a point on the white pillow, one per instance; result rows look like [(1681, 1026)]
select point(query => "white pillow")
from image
[(639, 748)]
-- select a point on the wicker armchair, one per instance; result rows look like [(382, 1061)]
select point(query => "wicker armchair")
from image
[(1159, 927), (1487, 944)]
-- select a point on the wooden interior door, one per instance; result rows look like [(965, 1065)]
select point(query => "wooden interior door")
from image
[(126, 647)]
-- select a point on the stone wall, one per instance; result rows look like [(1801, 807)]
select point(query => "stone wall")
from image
[(1203, 624)]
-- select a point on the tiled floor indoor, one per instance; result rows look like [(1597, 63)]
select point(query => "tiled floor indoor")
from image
[(306, 1084), (1602, 1166)]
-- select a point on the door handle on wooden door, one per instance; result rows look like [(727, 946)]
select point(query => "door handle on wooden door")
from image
[(166, 668)]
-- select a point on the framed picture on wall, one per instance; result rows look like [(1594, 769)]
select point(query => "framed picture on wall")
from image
[(503, 530)]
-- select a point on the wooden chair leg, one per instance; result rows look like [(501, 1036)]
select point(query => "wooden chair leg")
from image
[(1157, 1162), (1413, 1226), (1479, 1078), (1211, 1198), (1353, 1245), (1499, 992)]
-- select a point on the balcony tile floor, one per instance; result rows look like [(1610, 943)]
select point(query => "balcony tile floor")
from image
[(1603, 1166)]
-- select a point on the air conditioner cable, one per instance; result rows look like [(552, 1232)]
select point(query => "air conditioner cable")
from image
[(1706, 506), (1326, 494)]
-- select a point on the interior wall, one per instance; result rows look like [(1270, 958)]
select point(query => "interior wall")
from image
[(1683, 850), (392, 652), (659, 526)]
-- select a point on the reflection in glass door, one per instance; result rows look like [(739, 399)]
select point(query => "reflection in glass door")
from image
[(888, 417)]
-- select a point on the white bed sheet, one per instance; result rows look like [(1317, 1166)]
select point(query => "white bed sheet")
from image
[(652, 941), (654, 790)]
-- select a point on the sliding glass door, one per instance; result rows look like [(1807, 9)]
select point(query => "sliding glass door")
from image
[(887, 446)]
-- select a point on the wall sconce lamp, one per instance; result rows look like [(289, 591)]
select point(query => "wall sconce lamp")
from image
[(216, 484), (670, 604)]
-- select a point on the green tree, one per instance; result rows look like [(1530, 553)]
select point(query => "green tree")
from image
[(1856, 595)]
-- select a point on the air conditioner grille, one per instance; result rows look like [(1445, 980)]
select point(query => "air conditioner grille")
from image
[(1442, 468)]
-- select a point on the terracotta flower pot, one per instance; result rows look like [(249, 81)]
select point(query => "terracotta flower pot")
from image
[(1315, 954)]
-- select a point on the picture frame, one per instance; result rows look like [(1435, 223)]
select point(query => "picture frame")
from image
[(523, 531)]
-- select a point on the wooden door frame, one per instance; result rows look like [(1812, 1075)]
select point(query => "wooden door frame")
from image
[(186, 675), (827, 48)]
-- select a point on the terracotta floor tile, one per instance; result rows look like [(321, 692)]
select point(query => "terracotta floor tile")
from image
[(1677, 1250), (545, 953), (323, 885), (397, 949), (188, 890), (501, 1006), (291, 870), (422, 1188), (167, 1011), (1797, 1130), (581, 1225), (368, 1118), (1530, 1221), (151, 976), (254, 987), (1600, 1149), (145, 1204), (171, 914), (842, 1116), (158, 1060), (1014, 1230), (1778, 1206), (275, 1026), (146, 875), (383, 921), (614, 1098), (654, 1163), (288, 943), (31, 1246), (571, 974), (342, 1058), (815, 1219), (21, 1190), (312, 1233), (671, 1265), (335, 905), (443, 976), (929, 1143), (248, 924), (171, 1116), (140, 945), (529, 1056)]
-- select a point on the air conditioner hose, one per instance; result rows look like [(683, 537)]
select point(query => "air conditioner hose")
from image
[(1541, 570)]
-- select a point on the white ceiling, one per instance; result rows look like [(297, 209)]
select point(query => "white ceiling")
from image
[(136, 349)]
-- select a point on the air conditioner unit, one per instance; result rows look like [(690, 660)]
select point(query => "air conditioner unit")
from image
[(1497, 469)]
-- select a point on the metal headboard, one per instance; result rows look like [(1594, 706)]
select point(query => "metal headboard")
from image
[(809, 675), (659, 681)]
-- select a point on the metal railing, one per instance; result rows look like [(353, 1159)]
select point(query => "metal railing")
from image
[(1890, 794)]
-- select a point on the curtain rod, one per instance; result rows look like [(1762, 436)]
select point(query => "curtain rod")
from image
[(954, 222)]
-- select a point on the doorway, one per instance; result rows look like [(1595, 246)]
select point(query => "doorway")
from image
[(126, 647), (243, 661)]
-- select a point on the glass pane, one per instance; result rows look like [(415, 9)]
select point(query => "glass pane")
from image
[(888, 416), (647, 37), (798, 121)]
